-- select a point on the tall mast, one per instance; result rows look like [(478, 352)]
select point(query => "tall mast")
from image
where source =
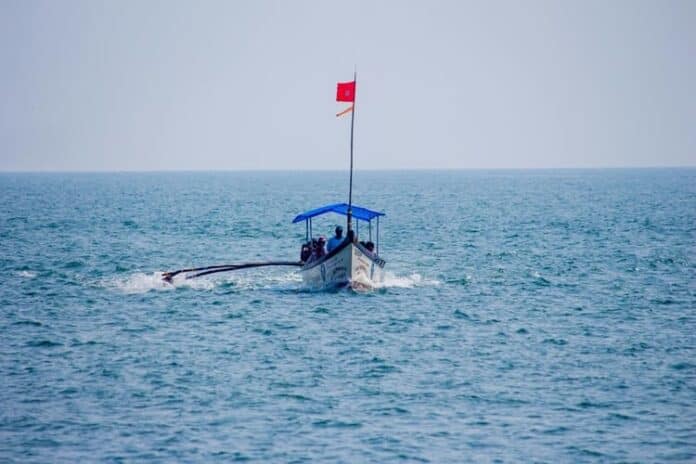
[(350, 188)]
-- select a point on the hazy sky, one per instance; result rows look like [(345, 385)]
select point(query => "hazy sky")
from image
[(149, 85)]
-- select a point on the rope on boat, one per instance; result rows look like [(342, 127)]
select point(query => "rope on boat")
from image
[(201, 271)]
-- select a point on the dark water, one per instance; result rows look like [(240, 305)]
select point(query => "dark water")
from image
[(529, 316)]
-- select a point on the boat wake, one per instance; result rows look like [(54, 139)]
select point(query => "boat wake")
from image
[(392, 280), (141, 282)]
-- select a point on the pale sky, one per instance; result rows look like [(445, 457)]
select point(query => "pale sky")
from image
[(219, 85)]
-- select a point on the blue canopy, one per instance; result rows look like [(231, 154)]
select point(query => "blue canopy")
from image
[(363, 214)]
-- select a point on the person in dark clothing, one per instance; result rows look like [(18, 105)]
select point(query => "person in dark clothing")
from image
[(306, 252)]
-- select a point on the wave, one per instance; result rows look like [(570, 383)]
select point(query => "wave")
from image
[(27, 274)]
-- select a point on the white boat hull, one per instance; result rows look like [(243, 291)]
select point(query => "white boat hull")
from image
[(351, 266)]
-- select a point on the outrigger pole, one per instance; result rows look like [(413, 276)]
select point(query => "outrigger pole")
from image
[(202, 271), (349, 214)]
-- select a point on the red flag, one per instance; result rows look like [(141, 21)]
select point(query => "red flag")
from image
[(345, 92)]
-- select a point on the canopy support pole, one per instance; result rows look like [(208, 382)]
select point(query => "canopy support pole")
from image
[(377, 250)]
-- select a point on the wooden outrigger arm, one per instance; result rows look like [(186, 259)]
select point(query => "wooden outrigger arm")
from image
[(202, 271)]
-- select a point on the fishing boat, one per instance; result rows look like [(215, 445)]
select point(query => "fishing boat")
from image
[(352, 263)]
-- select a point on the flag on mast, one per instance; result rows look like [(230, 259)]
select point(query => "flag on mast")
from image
[(345, 92)]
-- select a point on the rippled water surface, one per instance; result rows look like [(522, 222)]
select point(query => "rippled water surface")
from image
[(543, 316)]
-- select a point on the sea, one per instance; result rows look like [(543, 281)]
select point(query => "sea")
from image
[(527, 316)]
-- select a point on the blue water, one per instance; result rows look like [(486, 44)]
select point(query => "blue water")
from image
[(528, 316)]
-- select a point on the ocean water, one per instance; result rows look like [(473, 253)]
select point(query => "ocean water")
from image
[(528, 316)]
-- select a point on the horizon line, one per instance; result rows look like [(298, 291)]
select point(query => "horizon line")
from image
[(289, 170)]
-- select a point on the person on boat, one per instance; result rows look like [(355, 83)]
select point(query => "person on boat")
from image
[(335, 240), (306, 251), (313, 246), (321, 247), (370, 247)]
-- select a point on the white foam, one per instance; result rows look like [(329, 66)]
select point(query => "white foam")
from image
[(27, 274), (140, 282), (410, 281), (143, 283)]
